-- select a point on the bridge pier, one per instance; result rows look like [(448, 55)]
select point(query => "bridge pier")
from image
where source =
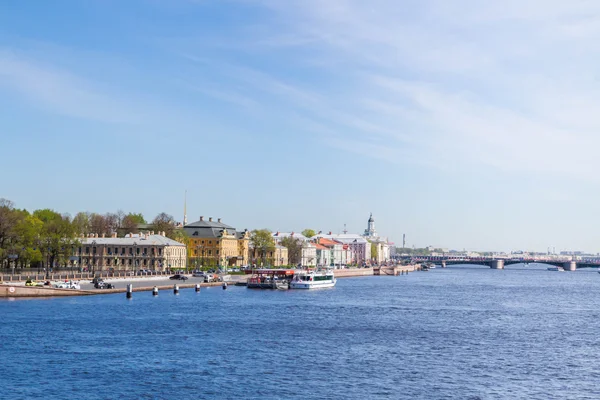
[(570, 266), (497, 264)]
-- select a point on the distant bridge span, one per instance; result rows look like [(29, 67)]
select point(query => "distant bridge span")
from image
[(500, 263)]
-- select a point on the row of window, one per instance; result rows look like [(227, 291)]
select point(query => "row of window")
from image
[(129, 250)]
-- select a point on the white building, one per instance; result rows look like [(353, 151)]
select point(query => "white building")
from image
[(355, 248), (308, 257), (381, 244)]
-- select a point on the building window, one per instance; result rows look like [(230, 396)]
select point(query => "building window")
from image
[(87, 250)]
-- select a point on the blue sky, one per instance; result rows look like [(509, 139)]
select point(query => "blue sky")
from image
[(462, 124)]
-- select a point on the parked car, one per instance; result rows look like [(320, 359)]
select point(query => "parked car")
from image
[(67, 285), (101, 284), (209, 278), (179, 277)]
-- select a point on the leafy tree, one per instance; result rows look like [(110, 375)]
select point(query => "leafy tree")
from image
[(130, 223), (309, 233), (28, 229), (262, 242), (164, 222), (57, 238), (8, 221), (137, 218), (294, 247), (81, 223), (374, 251)]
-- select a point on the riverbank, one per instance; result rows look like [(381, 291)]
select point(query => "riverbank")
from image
[(147, 283)]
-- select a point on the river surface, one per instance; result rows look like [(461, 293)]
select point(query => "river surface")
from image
[(454, 333)]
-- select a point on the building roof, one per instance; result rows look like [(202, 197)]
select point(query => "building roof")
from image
[(295, 235), (321, 247), (202, 223), (130, 240), (327, 242), (209, 229), (345, 238)]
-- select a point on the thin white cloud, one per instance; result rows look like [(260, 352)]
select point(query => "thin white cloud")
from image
[(511, 85), (61, 91)]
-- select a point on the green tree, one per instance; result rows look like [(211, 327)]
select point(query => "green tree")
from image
[(164, 222), (57, 239), (374, 251), (131, 221), (262, 242), (9, 218), (294, 247), (137, 218), (309, 233), (29, 229), (81, 223)]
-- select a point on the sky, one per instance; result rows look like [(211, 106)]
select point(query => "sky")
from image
[(463, 124)]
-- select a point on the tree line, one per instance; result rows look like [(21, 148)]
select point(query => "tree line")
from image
[(45, 238)]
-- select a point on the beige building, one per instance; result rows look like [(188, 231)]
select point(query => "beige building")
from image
[(272, 258), (131, 253)]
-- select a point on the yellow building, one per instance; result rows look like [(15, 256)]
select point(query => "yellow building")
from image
[(212, 243), (272, 258)]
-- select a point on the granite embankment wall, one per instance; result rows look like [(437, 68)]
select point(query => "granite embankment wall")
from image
[(347, 273)]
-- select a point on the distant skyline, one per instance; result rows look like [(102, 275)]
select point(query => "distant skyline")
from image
[(463, 124)]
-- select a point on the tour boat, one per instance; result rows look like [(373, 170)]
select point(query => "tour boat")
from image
[(270, 279), (560, 269), (311, 279)]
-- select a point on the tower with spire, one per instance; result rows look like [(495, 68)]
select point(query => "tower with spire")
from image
[(370, 231), (185, 209)]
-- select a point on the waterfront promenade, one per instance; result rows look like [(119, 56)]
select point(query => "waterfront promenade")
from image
[(148, 283)]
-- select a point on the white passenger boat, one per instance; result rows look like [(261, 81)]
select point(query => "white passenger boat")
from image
[(560, 269), (311, 279)]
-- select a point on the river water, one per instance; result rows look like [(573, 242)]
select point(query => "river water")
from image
[(454, 333)]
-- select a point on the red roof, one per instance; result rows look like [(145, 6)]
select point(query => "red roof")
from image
[(327, 242), (320, 247)]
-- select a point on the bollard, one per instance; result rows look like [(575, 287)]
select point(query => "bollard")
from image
[(224, 285), (155, 291), (197, 287), (176, 289), (129, 290)]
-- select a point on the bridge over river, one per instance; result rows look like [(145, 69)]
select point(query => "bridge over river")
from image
[(500, 263)]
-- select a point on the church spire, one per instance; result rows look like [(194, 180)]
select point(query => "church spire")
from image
[(185, 209)]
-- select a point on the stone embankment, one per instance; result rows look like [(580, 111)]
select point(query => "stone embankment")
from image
[(43, 291)]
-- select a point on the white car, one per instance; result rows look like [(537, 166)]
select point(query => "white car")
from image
[(67, 285)]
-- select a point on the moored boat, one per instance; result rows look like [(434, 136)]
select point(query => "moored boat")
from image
[(313, 279), (560, 269), (270, 279)]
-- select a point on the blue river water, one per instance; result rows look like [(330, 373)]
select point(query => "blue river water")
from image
[(454, 333)]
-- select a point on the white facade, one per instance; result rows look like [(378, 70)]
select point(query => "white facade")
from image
[(383, 248), (355, 248), (309, 255)]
